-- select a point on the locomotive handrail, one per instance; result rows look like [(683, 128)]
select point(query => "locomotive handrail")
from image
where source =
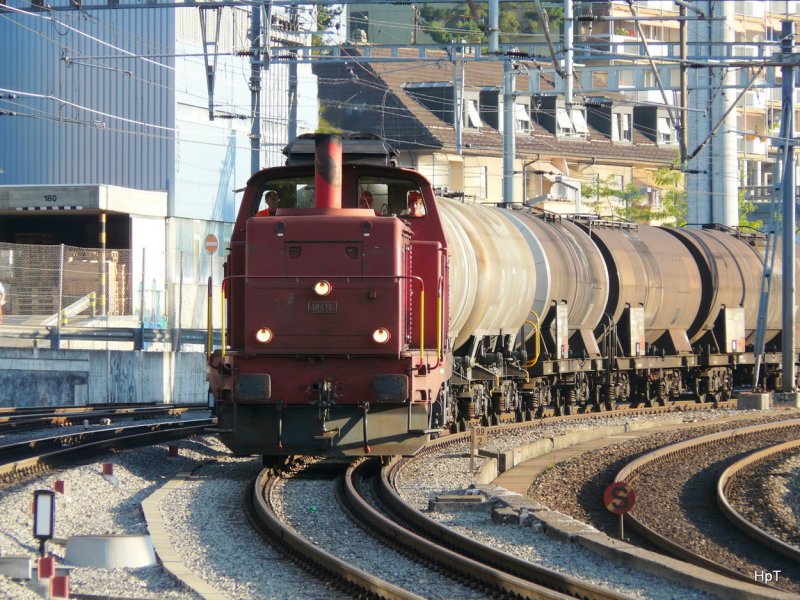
[(224, 341), (421, 326), (209, 324)]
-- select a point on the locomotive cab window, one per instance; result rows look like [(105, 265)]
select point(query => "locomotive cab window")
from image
[(392, 196), (294, 192)]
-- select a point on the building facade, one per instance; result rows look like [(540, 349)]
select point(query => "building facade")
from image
[(125, 99)]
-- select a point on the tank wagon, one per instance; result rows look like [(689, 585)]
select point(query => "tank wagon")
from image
[(356, 323)]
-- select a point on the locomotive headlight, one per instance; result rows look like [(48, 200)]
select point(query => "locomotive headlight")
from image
[(264, 335), (323, 288), (381, 335)]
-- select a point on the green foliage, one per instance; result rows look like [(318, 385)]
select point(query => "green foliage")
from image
[(326, 126), (746, 208), (452, 24), (555, 17), (674, 206), (326, 15), (466, 21), (508, 21), (630, 203)]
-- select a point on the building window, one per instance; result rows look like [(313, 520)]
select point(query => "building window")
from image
[(563, 123), (522, 120), (473, 116), (621, 127), (665, 133), (475, 182), (579, 121), (358, 22)]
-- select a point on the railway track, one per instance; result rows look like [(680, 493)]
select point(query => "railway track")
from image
[(24, 459), (739, 476), (367, 499), (26, 418), (345, 577), (394, 520), (676, 511)]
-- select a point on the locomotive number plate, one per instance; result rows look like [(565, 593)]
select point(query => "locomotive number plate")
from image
[(322, 307)]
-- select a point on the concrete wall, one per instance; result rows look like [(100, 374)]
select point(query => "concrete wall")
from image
[(45, 377)]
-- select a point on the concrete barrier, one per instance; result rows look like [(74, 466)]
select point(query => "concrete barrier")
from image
[(46, 377), (110, 551)]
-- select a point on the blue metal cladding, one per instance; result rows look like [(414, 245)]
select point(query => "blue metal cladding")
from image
[(86, 111), (102, 99)]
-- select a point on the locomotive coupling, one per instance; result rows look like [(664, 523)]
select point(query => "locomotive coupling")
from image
[(326, 393)]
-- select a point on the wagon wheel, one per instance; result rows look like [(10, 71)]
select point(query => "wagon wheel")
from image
[(597, 399), (610, 400), (562, 407), (648, 397), (662, 395)]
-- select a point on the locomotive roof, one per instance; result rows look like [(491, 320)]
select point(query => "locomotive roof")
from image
[(357, 148)]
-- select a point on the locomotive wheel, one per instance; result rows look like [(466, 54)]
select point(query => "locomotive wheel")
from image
[(494, 418), (528, 416), (519, 415)]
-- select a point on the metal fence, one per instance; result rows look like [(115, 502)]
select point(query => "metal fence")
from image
[(94, 287)]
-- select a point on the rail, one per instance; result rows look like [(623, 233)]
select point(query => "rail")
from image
[(17, 461), (629, 472), (260, 511), (433, 551), (747, 527), (137, 336), (547, 581), (74, 309)]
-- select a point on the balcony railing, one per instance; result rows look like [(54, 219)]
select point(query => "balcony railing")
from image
[(760, 194)]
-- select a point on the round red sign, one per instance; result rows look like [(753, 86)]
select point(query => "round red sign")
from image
[(212, 243), (619, 497)]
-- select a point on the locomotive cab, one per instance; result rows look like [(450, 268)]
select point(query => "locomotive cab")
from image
[(335, 315)]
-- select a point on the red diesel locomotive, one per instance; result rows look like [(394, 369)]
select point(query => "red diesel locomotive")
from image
[(335, 314)]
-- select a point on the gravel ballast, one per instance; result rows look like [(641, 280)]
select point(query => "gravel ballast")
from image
[(205, 522)]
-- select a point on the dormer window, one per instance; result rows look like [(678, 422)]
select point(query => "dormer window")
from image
[(665, 133), (621, 127), (522, 120), (473, 117), (579, 121), (563, 123)]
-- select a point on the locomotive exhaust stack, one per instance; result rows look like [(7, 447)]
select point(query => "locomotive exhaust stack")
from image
[(328, 171)]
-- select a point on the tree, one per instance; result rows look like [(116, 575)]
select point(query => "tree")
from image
[(606, 199), (466, 21), (746, 208), (630, 203), (325, 17), (674, 206)]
